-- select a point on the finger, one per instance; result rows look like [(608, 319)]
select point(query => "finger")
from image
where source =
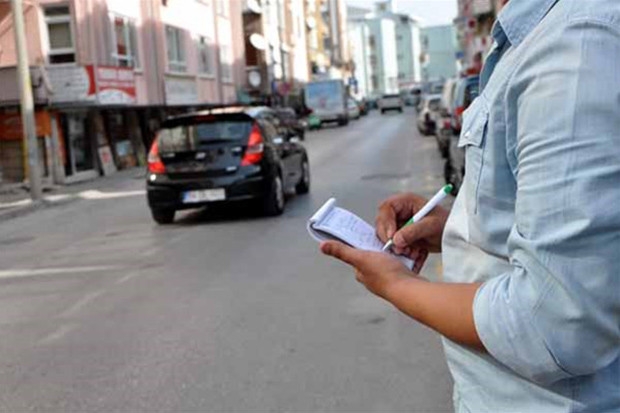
[(342, 252), (420, 260), (410, 234), (385, 222)]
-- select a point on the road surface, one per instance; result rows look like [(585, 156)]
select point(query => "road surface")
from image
[(102, 310)]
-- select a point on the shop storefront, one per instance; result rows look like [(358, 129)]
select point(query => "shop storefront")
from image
[(13, 166), (98, 119), (79, 163)]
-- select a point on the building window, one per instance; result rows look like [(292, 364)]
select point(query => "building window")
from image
[(176, 49), (59, 34), (371, 41), (124, 41), (205, 55), (222, 7)]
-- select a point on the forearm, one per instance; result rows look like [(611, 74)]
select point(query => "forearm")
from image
[(446, 308)]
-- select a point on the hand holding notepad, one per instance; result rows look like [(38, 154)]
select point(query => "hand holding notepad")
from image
[(333, 223)]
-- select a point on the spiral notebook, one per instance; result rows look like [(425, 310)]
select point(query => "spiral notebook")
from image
[(334, 223)]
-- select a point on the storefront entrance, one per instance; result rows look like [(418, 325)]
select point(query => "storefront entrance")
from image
[(80, 163)]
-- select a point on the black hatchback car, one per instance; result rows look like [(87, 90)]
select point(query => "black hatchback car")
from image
[(224, 155)]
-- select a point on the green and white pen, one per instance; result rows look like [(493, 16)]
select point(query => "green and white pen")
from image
[(428, 207)]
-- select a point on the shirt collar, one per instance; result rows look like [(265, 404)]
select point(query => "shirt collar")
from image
[(518, 18)]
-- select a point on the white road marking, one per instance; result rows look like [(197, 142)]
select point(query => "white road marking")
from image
[(31, 272), (81, 303), (127, 277), (57, 334)]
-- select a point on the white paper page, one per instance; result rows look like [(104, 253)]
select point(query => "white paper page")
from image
[(351, 229), (331, 222)]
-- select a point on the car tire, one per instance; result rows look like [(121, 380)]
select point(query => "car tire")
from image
[(382, 112), (303, 187), (273, 203), (400, 110), (452, 177), (163, 216), (445, 151)]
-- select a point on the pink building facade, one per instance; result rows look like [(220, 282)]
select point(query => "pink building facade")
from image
[(106, 72)]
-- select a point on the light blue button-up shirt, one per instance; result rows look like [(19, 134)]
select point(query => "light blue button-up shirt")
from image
[(538, 217)]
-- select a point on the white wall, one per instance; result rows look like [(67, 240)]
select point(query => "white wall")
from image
[(300, 56), (389, 58)]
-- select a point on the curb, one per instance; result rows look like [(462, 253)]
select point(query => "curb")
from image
[(35, 206)]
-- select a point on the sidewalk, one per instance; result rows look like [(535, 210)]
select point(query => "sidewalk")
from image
[(15, 199)]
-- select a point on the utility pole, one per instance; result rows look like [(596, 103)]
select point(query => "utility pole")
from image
[(27, 105)]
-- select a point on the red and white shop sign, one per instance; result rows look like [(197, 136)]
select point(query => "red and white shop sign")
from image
[(114, 85), (104, 85)]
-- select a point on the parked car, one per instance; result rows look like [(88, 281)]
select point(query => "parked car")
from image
[(289, 119), (362, 104), (391, 102), (353, 110), (426, 116), (372, 102), (412, 96), (313, 121), (466, 90), (441, 117), (224, 155)]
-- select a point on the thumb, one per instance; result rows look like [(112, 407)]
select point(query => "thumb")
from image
[(342, 252), (411, 234)]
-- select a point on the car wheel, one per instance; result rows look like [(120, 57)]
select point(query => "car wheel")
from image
[(382, 112), (400, 110), (163, 216), (273, 203), (303, 187)]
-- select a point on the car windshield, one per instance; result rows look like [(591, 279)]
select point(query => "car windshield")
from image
[(191, 136)]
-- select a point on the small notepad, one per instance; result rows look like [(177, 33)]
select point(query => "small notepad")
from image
[(333, 223)]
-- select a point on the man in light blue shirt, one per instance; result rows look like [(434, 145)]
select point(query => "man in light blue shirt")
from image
[(530, 309)]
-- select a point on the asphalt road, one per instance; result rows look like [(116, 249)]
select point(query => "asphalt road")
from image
[(101, 310)]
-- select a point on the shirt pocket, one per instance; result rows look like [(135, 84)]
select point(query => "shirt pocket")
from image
[(472, 139)]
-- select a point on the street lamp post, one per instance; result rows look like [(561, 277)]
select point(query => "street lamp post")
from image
[(26, 101)]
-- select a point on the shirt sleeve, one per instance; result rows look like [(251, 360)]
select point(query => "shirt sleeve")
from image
[(557, 313)]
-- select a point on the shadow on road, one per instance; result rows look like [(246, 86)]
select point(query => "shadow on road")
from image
[(237, 211)]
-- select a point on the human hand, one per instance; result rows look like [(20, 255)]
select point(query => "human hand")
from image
[(378, 271), (415, 240)]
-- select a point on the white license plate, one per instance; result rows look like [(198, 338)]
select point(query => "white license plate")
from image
[(204, 195)]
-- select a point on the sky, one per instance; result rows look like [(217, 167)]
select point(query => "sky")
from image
[(432, 12)]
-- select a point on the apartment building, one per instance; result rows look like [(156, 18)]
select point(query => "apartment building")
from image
[(106, 72), (386, 49), (276, 45)]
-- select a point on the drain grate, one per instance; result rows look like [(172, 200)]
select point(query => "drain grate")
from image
[(386, 176), (15, 241)]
